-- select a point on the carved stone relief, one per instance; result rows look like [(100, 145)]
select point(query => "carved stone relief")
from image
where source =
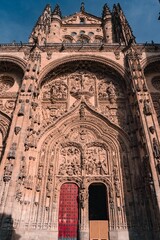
[(81, 135), (96, 161), (7, 106), (82, 83), (59, 91), (70, 161), (156, 102), (6, 82)]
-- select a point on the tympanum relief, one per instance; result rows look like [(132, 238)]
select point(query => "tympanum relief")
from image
[(83, 153), (62, 92)]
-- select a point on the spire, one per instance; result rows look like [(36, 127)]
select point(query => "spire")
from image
[(119, 7), (106, 11), (57, 11), (82, 8)]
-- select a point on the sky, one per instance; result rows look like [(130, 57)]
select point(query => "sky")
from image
[(18, 17)]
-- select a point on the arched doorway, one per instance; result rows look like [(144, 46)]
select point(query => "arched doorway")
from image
[(98, 212), (68, 212)]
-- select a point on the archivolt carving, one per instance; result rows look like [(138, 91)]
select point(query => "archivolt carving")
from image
[(4, 124)]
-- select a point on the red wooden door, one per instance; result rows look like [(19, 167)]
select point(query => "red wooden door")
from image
[(68, 212)]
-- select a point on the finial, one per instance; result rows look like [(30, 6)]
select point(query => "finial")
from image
[(82, 9), (106, 11), (57, 11)]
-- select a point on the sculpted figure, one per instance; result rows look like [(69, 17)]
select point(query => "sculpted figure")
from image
[(111, 92), (147, 108), (62, 170), (156, 149)]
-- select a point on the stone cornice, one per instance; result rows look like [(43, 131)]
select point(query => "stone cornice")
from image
[(21, 47)]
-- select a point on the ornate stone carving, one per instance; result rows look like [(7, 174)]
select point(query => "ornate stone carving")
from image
[(106, 91), (82, 111), (10, 104), (116, 179), (28, 183), (82, 83), (12, 151), (40, 172), (70, 161), (156, 148), (147, 108), (21, 110), (96, 161), (81, 135), (23, 169), (6, 82), (59, 91), (48, 189), (8, 171), (17, 130)]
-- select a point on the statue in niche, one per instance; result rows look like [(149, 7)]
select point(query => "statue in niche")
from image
[(8, 171), (38, 186), (48, 189), (82, 198), (147, 108), (158, 167), (102, 91), (111, 92), (28, 184), (50, 173), (23, 170), (156, 148), (40, 172), (62, 170)]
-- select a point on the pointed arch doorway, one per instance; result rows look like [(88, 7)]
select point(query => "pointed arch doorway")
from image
[(68, 212), (98, 212)]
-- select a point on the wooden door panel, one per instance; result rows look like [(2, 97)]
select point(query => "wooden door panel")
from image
[(98, 230), (68, 212)]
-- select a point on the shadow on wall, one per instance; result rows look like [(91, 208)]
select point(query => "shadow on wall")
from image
[(7, 231)]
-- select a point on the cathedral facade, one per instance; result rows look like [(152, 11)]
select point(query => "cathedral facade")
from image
[(79, 131)]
